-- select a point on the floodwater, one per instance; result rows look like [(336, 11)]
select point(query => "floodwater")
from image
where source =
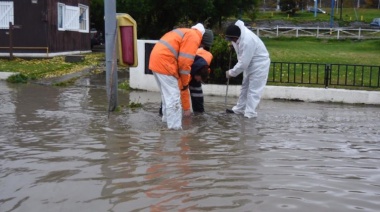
[(59, 151)]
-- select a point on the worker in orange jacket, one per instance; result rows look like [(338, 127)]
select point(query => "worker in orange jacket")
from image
[(170, 61), (200, 70)]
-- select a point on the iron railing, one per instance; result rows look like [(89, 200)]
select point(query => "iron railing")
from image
[(325, 74)]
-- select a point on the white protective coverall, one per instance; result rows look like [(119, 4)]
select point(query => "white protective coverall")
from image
[(171, 101), (254, 62)]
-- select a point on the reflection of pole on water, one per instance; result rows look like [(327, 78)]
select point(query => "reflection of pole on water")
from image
[(111, 67)]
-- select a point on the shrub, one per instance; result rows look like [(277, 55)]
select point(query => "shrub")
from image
[(221, 61), (18, 78)]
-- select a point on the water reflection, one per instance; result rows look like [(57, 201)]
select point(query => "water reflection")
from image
[(60, 152)]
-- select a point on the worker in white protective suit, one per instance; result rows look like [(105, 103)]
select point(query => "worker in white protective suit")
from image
[(254, 62)]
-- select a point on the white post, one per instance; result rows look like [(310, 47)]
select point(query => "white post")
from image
[(317, 31), (277, 31), (337, 36)]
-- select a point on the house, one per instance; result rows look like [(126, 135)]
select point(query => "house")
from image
[(44, 28)]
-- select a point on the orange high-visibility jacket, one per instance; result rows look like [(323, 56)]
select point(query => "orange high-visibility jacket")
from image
[(185, 95), (205, 55), (175, 52)]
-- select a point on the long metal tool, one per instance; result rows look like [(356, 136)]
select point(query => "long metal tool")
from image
[(228, 82)]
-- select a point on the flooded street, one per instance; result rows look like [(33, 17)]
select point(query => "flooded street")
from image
[(59, 151)]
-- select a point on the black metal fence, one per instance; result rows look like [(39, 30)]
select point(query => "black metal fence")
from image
[(325, 74)]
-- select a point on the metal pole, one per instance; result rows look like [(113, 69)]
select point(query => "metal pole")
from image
[(111, 63), (315, 7), (228, 80), (327, 73), (332, 14)]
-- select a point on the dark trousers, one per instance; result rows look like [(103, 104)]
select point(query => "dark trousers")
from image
[(196, 94)]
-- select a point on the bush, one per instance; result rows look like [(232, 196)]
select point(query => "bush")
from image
[(221, 61), (18, 78)]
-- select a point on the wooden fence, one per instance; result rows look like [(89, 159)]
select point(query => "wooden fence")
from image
[(333, 33)]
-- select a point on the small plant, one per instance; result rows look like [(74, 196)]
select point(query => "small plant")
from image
[(18, 78), (124, 85), (66, 83), (134, 105)]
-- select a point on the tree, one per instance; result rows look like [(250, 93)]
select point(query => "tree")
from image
[(227, 8), (154, 18), (288, 6), (97, 14)]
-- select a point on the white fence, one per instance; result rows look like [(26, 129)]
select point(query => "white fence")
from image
[(338, 33)]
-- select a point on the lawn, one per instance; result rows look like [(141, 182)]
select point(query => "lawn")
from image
[(45, 68), (313, 50)]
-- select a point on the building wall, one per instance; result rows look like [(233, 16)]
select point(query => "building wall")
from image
[(33, 28), (39, 32), (65, 40)]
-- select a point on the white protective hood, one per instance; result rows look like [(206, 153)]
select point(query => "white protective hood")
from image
[(249, 49)]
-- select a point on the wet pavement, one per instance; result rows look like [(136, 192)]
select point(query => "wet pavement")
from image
[(59, 151)]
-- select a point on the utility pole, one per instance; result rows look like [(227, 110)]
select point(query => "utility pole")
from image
[(111, 59), (315, 7), (332, 14)]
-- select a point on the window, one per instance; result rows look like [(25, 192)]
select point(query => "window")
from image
[(73, 18), (83, 18), (6, 14), (61, 16)]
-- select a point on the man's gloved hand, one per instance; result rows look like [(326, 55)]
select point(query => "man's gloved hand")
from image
[(184, 88), (187, 113), (228, 75)]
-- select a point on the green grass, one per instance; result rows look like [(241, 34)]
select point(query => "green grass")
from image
[(45, 68), (67, 82), (321, 51), (124, 85), (313, 50)]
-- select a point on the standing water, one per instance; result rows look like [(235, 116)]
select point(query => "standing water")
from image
[(59, 151)]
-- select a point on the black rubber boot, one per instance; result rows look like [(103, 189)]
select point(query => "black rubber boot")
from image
[(229, 111)]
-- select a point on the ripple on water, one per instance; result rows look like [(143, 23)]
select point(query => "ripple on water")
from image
[(67, 154)]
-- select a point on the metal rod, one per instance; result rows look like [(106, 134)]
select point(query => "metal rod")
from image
[(228, 82)]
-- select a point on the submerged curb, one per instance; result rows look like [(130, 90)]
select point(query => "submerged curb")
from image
[(5, 75)]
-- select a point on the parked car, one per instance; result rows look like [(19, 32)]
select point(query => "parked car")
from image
[(96, 37), (319, 10), (375, 22)]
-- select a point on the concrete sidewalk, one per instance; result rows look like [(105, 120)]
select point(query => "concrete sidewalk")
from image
[(5, 75)]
